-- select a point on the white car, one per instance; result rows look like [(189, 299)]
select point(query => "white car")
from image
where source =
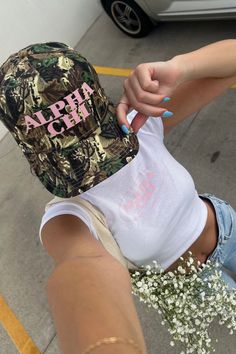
[(137, 17)]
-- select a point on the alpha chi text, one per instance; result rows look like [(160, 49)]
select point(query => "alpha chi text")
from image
[(58, 123)]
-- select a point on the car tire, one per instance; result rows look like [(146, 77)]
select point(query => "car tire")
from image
[(128, 17)]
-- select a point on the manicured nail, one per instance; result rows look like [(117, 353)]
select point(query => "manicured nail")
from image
[(166, 99), (125, 129), (167, 114)]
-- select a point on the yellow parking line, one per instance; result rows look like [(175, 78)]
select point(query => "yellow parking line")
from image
[(106, 70), (15, 330)]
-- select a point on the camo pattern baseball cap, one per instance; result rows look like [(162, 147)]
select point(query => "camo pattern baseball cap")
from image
[(52, 103)]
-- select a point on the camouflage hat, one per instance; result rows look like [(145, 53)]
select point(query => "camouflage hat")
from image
[(52, 103)]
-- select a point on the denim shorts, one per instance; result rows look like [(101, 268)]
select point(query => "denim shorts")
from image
[(225, 251)]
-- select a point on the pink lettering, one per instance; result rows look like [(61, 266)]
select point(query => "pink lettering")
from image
[(52, 129), (56, 107), (78, 107), (31, 123), (87, 90), (69, 124), (84, 111), (144, 192), (73, 100), (70, 121), (41, 118)]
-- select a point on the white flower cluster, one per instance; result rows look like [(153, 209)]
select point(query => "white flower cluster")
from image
[(188, 301)]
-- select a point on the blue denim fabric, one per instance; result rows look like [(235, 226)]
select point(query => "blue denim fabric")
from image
[(225, 251)]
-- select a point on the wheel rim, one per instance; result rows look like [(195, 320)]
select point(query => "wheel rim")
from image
[(126, 17)]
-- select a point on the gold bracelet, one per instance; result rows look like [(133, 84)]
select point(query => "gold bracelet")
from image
[(112, 340)]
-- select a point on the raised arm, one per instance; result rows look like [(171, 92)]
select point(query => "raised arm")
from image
[(191, 80), (191, 96), (214, 60)]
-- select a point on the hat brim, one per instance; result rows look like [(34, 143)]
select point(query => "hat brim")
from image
[(69, 172)]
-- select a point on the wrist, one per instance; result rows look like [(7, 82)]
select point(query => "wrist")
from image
[(184, 68)]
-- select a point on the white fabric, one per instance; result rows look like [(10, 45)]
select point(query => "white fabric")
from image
[(67, 208), (151, 205)]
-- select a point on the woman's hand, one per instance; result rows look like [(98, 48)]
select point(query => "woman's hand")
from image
[(146, 88), (149, 83)]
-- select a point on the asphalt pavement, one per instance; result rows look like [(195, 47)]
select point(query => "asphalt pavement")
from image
[(209, 133)]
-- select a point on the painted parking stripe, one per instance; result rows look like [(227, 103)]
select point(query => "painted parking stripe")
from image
[(105, 70), (15, 330)]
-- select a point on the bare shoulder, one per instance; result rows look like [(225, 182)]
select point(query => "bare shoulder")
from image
[(66, 236)]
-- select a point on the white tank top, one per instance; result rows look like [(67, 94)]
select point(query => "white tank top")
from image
[(151, 205)]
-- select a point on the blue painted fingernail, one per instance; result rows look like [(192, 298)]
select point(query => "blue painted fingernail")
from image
[(167, 114), (125, 129), (166, 99)]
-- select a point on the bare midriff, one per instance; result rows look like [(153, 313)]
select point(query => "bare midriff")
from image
[(207, 240)]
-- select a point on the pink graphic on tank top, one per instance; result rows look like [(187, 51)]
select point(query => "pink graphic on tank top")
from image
[(142, 193)]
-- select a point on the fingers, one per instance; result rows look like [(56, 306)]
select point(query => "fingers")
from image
[(140, 95), (122, 110), (144, 74), (145, 90), (144, 102), (138, 121)]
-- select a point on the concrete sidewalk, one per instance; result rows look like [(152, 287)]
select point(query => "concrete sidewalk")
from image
[(24, 264)]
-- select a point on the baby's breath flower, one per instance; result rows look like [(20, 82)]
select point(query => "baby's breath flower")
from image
[(188, 303)]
